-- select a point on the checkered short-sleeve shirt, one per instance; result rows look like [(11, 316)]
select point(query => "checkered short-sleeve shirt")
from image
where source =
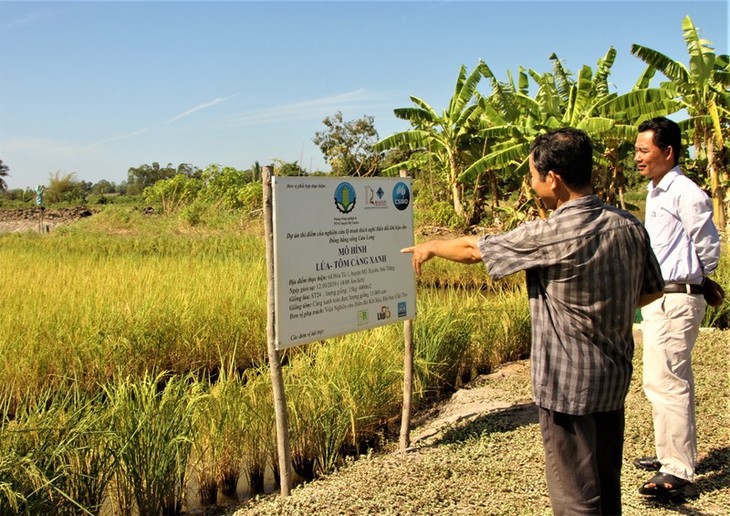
[(586, 267)]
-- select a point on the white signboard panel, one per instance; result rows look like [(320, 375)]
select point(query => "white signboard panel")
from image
[(337, 261)]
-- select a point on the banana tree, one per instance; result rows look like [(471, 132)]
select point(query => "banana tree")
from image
[(449, 141), (562, 101), (702, 90)]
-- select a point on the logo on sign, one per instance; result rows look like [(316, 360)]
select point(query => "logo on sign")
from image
[(402, 311), (345, 197), (374, 198), (384, 313), (362, 317), (401, 196)]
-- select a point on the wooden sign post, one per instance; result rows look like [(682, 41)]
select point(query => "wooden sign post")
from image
[(283, 445)]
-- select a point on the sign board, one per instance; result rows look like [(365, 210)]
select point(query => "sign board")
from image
[(337, 261)]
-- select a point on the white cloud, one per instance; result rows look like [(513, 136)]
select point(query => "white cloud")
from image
[(115, 138), (308, 109), (198, 108)]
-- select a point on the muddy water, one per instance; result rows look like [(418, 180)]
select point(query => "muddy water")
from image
[(192, 494)]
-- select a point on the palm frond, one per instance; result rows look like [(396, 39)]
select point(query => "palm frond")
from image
[(672, 69)]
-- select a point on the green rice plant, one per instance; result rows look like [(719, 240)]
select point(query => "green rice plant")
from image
[(502, 329), (87, 458), (59, 445), (442, 333), (461, 333), (366, 372), (11, 500), (301, 435), (307, 406), (318, 421), (222, 425), (259, 437), (153, 424), (235, 421), (22, 483), (341, 395), (206, 448)]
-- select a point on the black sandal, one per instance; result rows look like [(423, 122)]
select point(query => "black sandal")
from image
[(664, 485)]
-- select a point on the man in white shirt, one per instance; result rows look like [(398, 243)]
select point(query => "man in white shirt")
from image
[(685, 241)]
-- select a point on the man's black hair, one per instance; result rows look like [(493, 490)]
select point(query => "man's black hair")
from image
[(666, 134), (567, 152)]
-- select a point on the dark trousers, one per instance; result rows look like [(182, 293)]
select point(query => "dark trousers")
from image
[(583, 461)]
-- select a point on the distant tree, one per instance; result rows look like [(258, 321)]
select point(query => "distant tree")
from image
[(103, 187), (173, 193), (348, 146), (4, 169), (143, 176), (256, 171), (222, 186), (189, 170), (64, 188), (19, 194), (86, 186), (282, 168)]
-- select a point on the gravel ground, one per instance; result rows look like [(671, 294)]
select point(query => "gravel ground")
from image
[(481, 453)]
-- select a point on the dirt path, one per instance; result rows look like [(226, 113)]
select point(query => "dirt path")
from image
[(480, 397)]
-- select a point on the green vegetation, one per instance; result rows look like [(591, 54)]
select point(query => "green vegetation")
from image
[(133, 347), (133, 357), (472, 156), (138, 342)]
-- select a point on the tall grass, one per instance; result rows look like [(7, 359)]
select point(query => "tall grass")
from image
[(55, 456), (153, 423), (461, 333), (341, 396), (259, 439), (223, 422)]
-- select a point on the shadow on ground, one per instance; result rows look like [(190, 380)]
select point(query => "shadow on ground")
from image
[(503, 420)]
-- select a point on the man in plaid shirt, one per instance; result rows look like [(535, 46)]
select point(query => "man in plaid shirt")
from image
[(589, 266)]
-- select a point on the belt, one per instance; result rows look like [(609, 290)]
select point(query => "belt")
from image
[(682, 288)]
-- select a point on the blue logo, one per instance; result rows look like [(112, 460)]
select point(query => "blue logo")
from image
[(345, 197), (402, 312), (401, 196)]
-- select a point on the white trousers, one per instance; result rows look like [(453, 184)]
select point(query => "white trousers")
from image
[(670, 326)]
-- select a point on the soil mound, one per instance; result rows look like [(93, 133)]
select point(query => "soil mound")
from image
[(39, 218)]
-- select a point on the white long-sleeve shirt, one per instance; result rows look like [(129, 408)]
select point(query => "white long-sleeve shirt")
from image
[(683, 235)]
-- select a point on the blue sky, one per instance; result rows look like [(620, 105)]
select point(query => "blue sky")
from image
[(95, 88)]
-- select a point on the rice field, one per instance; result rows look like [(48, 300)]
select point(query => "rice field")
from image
[(133, 361)]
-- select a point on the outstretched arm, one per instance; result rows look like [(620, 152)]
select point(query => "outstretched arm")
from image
[(462, 249)]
